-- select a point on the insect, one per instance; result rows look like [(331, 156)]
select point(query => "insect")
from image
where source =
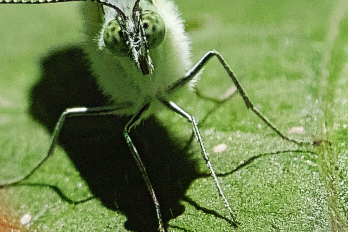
[(140, 55)]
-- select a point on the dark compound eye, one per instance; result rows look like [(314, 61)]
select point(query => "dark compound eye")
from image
[(114, 39), (154, 28)]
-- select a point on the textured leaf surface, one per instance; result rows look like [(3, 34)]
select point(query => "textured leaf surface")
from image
[(290, 56)]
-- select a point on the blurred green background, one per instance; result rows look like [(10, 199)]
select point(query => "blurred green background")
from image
[(290, 56)]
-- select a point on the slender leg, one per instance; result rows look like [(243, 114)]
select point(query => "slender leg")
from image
[(230, 92), (140, 164), (200, 64), (79, 111), (172, 106), (83, 111)]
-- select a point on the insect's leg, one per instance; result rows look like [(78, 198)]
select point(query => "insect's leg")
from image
[(230, 92), (200, 64), (80, 111), (136, 118), (172, 106)]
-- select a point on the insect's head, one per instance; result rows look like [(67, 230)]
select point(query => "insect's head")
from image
[(134, 35)]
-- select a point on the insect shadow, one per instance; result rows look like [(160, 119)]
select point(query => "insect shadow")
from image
[(96, 145)]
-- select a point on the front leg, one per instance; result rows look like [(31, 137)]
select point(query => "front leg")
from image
[(135, 120), (175, 108), (198, 67)]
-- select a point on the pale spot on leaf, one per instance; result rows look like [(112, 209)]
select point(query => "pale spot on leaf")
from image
[(229, 92), (220, 148), (26, 219), (297, 130)]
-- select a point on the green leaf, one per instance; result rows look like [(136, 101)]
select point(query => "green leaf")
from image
[(290, 56)]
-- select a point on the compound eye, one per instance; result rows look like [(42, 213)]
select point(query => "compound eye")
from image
[(154, 28), (115, 39)]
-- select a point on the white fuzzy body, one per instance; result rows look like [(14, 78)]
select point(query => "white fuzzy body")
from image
[(118, 77)]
